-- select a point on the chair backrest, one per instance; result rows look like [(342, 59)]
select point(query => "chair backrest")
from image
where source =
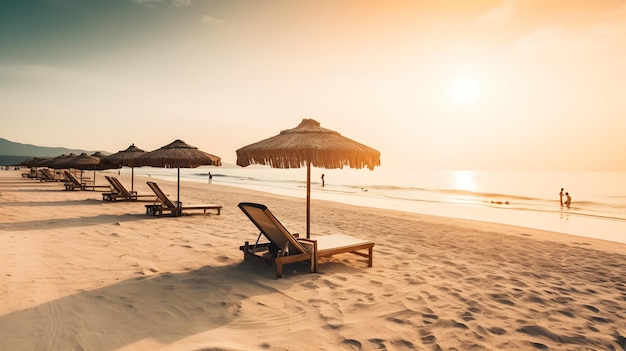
[(161, 195), (120, 187), (72, 178), (113, 184), (271, 227), (46, 172)]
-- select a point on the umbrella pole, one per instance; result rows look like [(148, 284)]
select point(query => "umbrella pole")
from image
[(308, 199), (132, 179), (178, 193)]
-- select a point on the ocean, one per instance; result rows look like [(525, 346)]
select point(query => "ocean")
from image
[(526, 199)]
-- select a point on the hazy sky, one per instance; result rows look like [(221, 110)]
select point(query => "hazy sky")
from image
[(484, 84)]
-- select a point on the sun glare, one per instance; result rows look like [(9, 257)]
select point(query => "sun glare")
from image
[(463, 90), (463, 180)]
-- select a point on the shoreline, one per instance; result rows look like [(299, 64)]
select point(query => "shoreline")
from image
[(79, 272), (564, 221)]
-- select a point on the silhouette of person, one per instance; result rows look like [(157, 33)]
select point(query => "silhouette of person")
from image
[(210, 178), (322, 180), (568, 200), (561, 196)]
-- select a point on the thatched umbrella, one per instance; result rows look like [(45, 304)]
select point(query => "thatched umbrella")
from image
[(84, 162), (98, 154), (60, 161), (34, 162), (308, 145), (176, 155), (55, 163), (126, 158), (87, 162)]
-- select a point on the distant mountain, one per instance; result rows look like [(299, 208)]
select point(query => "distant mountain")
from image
[(12, 153)]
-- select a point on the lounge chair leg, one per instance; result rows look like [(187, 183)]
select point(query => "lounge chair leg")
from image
[(246, 247), (279, 270), (314, 256)]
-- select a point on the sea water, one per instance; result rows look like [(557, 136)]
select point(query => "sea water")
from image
[(526, 199)]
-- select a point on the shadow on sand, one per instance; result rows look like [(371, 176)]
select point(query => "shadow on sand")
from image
[(166, 307), (70, 222)]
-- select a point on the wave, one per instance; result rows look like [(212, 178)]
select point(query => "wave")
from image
[(454, 192), (608, 207)]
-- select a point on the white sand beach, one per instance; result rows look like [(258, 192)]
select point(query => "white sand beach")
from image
[(79, 273)]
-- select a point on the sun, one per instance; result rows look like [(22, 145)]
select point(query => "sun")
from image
[(464, 89)]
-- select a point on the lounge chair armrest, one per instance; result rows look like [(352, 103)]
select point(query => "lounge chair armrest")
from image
[(311, 246)]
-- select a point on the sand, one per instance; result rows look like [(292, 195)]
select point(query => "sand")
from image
[(79, 273)]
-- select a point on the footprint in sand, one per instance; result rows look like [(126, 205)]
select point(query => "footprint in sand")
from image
[(330, 283), (350, 344), (591, 308), (309, 285), (376, 282), (502, 298), (427, 337), (539, 346), (566, 313), (467, 316), (497, 331), (377, 344), (146, 272), (331, 314), (404, 345), (361, 296), (341, 277), (600, 320), (429, 318)]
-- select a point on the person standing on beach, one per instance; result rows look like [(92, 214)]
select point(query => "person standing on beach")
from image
[(211, 181), (322, 180), (568, 200), (561, 196)]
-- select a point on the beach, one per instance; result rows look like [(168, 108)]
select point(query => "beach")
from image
[(80, 273)]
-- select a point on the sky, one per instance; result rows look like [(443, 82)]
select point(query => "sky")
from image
[(447, 84)]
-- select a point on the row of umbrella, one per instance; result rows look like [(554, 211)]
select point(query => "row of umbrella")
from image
[(174, 155), (307, 145)]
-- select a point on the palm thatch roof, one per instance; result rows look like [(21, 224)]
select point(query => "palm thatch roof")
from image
[(309, 142), (125, 157), (35, 162), (60, 161), (178, 154), (85, 162)]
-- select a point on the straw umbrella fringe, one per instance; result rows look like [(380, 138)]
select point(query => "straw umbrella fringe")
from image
[(35, 162), (178, 154), (309, 145), (309, 142)]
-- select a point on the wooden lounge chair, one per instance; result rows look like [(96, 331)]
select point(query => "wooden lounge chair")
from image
[(31, 174), (72, 183), (120, 193), (284, 247), (175, 208), (45, 175)]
